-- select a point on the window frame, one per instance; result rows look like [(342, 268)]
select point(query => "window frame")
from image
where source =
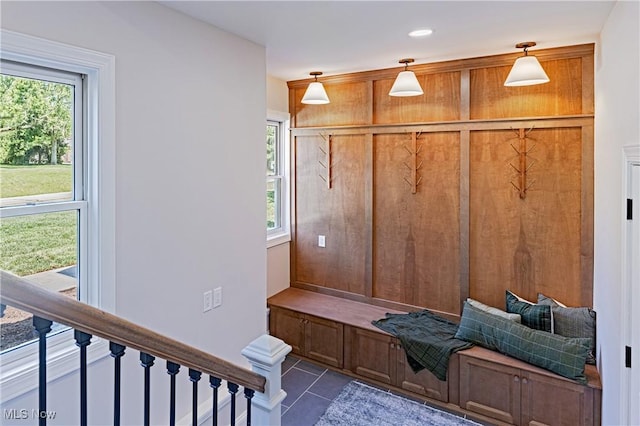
[(79, 201), (20, 366), (281, 234)]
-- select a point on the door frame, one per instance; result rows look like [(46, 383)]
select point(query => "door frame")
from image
[(631, 299)]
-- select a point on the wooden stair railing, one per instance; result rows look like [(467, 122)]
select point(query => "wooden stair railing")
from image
[(88, 321)]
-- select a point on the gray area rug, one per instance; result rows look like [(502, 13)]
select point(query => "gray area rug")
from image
[(362, 405)]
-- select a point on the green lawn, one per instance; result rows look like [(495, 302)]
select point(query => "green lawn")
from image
[(32, 180), (36, 243)]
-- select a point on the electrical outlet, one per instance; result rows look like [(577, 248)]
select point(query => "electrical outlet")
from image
[(217, 297), (321, 241), (207, 301)]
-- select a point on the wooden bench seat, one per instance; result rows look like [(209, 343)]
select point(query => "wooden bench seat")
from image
[(481, 383)]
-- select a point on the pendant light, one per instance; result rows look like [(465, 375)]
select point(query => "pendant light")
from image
[(526, 71), (406, 83), (315, 94)]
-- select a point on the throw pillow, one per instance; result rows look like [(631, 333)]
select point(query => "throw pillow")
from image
[(563, 355), (572, 322), (537, 317), (494, 311)]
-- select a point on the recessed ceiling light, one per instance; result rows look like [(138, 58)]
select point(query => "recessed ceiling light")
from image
[(421, 33)]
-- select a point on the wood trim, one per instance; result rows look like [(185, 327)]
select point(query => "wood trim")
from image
[(586, 227), (292, 109), (368, 218), (465, 95), (454, 65), (22, 294), (588, 85), (452, 126), (293, 218), (370, 102), (464, 216)]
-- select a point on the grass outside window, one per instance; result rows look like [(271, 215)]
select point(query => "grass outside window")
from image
[(17, 181), (39, 242)]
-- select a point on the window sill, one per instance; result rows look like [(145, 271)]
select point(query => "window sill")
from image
[(20, 366), (277, 239)]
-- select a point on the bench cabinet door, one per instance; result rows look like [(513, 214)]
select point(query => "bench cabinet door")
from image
[(423, 382), (551, 401), (324, 341), (288, 326), (372, 355), (490, 389)]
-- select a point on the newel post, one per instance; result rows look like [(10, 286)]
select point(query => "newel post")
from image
[(265, 354)]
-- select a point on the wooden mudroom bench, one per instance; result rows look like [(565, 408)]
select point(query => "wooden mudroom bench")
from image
[(481, 383)]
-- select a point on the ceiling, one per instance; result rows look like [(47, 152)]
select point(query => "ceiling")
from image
[(339, 37)]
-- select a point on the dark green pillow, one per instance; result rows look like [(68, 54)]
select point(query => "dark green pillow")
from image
[(572, 322), (537, 317), (562, 355)]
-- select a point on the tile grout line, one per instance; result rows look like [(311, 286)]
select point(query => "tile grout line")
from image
[(284, 374), (319, 396), (305, 391)]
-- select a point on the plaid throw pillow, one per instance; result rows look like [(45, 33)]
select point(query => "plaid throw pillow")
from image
[(562, 355), (572, 322), (537, 317)]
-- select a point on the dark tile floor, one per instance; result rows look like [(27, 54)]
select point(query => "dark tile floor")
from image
[(310, 389)]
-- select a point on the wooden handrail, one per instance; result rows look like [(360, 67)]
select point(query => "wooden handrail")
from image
[(21, 294)]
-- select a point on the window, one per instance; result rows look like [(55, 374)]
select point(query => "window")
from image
[(70, 210), (43, 205), (277, 185)]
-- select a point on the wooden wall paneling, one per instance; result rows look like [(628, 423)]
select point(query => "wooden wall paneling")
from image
[(337, 213), (350, 104), (527, 245), (586, 228), (543, 242), (561, 96), (440, 101), (416, 255)]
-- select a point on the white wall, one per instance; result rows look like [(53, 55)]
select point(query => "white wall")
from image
[(189, 188), (277, 94), (277, 256), (617, 121)]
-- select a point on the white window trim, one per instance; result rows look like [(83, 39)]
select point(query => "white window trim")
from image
[(283, 234), (19, 366)]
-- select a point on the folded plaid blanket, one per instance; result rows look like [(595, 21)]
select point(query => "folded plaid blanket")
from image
[(428, 339)]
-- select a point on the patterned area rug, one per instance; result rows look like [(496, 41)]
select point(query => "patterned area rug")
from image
[(362, 405)]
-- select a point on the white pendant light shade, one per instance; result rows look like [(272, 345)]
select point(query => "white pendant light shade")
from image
[(315, 94), (406, 83), (526, 71)]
